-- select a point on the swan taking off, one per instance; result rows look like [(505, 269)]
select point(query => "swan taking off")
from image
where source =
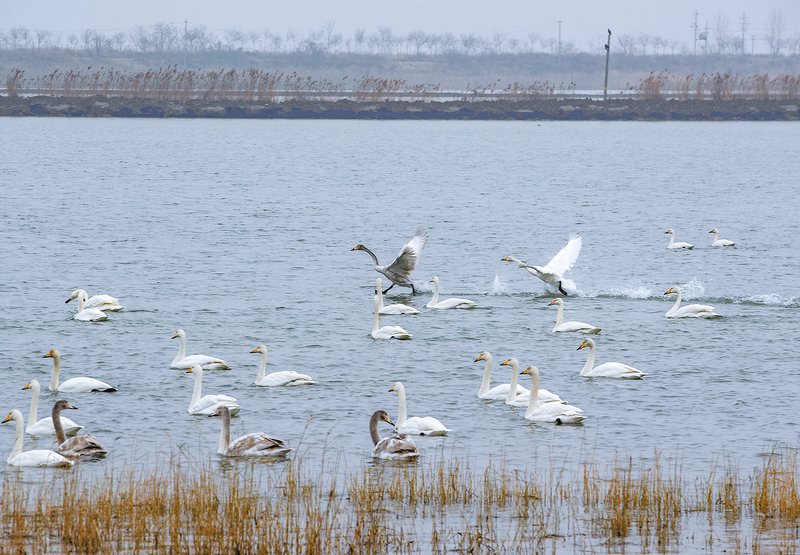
[(522, 400), (44, 427), (570, 326), (689, 310), (257, 444), (392, 309), (278, 379), (609, 369), (74, 385), (85, 314), (447, 303), (549, 412), (39, 457), (419, 426), (720, 242), (553, 273), (208, 404), (182, 362), (387, 332), (498, 392), (679, 244), (398, 271), (100, 302), (394, 447), (78, 446)]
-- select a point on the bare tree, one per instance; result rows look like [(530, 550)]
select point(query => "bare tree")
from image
[(514, 45), (448, 43), (118, 41), (721, 34), (530, 41), (469, 43), (550, 44), (773, 36), (434, 42), (627, 44), (254, 37), (140, 38), (673, 44), (86, 39), (291, 38), (277, 42), (99, 43), (233, 38), (497, 42), (359, 37), (42, 37), (386, 40), (72, 40), (644, 40), (417, 39)]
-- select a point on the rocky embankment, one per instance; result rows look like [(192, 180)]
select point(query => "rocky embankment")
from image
[(550, 109)]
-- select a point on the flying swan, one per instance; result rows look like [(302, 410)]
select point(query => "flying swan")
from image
[(387, 332), (498, 392), (44, 427), (278, 379), (74, 385), (689, 310), (570, 326), (679, 244), (393, 447), (553, 273), (85, 314), (398, 271), (418, 426), (38, 457), (720, 242), (542, 396), (182, 362), (392, 309), (209, 403), (609, 369), (100, 302), (549, 412), (257, 444), (78, 446), (447, 303)]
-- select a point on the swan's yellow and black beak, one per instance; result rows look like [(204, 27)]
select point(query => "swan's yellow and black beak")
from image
[(176, 335), (254, 350), (668, 292), (554, 302), (189, 371), (582, 346), (9, 418), (480, 357), (392, 389), (389, 421), (27, 386), (506, 362), (357, 248), (48, 355)]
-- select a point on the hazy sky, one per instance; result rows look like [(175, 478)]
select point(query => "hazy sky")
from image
[(584, 21)]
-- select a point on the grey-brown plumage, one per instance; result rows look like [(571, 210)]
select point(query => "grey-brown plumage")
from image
[(393, 447), (399, 270), (78, 446), (257, 444)]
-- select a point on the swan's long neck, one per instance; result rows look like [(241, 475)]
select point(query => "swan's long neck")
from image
[(54, 375), (225, 433), (674, 308), (487, 376), (401, 413), (181, 351), (534, 393), (380, 294), (435, 298), (33, 417), (589, 361), (198, 387), (560, 317), (716, 236), (262, 368), (373, 430), (372, 254), (17, 450), (671, 239), (60, 437), (512, 391), (375, 325), (81, 301)]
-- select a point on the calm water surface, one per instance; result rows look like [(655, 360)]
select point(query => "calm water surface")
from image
[(240, 233)]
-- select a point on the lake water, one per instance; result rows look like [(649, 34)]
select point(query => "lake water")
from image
[(240, 233)]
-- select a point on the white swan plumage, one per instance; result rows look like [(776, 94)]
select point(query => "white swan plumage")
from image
[(74, 385), (609, 369), (38, 457), (87, 314), (522, 400), (79, 446), (393, 447), (284, 378), (182, 362), (562, 326), (689, 310), (44, 427), (677, 244), (498, 392), (399, 270), (257, 444), (386, 332), (447, 303), (720, 242), (553, 273), (556, 413), (416, 425), (105, 303), (392, 309), (208, 403)]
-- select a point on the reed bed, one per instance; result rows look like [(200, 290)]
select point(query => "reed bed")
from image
[(718, 86), (249, 507)]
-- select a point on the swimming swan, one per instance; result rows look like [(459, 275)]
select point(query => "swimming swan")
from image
[(85, 314), (543, 396), (609, 369), (549, 412), (44, 427), (679, 244), (78, 446), (393, 308), (498, 392), (208, 404), (689, 310), (447, 303), (394, 447), (278, 379), (182, 362), (553, 273), (570, 326), (720, 242), (39, 457), (74, 385), (100, 302), (419, 426), (387, 332), (398, 271), (257, 444)]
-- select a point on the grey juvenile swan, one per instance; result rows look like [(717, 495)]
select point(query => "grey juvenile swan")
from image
[(78, 446), (257, 444), (398, 271), (393, 447)]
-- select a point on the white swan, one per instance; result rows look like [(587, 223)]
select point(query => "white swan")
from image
[(720, 242), (182, 362), (100, 302), (447, 303), (394, 447), (387, 332), (209, 403), (398, 271), (419, 426), (257, 444), (393, 308), (44, 427), (553, 273), (609, 369), (39, 457), (549, 412), (79, 446), (74, 385), (561, 325), (522, 400), (498, 392), (278, 379), (689, 310), (85, 314), (679, 244)]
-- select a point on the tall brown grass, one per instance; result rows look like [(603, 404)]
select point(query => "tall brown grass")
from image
[(718, 86)]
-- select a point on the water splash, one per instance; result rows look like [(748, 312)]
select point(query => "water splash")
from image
[(773, 299), (498, 287), (693, 289)]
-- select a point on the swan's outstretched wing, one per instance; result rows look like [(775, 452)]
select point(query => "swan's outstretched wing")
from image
[(566, 257), (409, 254)]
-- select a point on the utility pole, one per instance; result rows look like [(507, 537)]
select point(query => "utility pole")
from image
[(559, 38), (608, 54), (185, 43), (694, 27), (752, 45), (744, 28)]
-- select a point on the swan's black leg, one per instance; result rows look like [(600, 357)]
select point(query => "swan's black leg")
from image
[(562, 289), (392, 285), (413, 291)]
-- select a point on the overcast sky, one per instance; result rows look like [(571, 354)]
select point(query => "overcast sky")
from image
[(583, 21)]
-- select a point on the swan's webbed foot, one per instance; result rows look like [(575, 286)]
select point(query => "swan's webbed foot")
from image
[(562, 289), (387, 290)]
